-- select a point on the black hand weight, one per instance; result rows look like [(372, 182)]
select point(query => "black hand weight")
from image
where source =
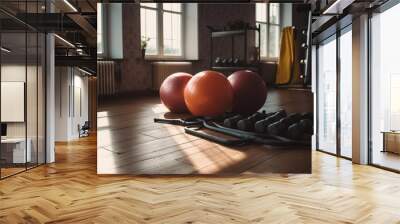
[(247, 124), (261, 126), (280, 127)]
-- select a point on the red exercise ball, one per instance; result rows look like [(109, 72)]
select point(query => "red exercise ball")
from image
[(250, 91), (208, 93), (171, 92)]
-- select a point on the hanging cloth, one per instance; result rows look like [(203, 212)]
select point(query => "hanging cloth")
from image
[(286, 64)]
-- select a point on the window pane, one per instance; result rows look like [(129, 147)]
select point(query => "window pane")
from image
[(274, 13), (14, 70), (327, 97), (151, 5), (172, 34), (346, 94), (32, 99), (263, 36), (99, 28), (175, 7), (148, 23), (274, 34), (261, 12)]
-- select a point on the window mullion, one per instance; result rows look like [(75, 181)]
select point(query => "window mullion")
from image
[(160, 38)]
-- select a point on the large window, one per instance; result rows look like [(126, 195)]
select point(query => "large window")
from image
[(385, 89), (268, 18), (161, 28), (345, 42), (334, 94)]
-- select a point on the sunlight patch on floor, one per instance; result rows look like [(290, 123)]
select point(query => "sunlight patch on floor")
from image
[(159, 108)]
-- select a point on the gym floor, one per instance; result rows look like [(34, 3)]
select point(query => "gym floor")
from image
[(129, 142)]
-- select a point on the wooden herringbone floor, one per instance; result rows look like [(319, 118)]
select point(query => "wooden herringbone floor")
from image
[(70, 191)]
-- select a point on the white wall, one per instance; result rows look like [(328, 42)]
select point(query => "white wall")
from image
[(33, 125), (16, 73), (62, 81), (70, 83)]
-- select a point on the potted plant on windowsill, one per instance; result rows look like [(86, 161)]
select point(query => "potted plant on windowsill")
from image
[(144, 42)]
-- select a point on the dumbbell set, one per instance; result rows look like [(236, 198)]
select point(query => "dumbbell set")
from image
[(220, 61), (297, 126)]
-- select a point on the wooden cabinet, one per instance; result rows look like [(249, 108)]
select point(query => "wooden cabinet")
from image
[(391, 141)]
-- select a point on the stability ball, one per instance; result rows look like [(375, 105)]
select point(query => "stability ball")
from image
[(250, 92), (171, 92), (208, 93)]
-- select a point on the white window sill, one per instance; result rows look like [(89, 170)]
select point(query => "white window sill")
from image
[(166, 59), (269, 60)]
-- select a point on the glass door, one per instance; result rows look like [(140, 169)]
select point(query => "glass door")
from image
[(326, 96)]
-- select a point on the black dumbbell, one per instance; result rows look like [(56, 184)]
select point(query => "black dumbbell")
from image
[(307, 125), (261, 126), (299, 131), (307, 115), (295, 131), (232, 121), (223, 61), (280, 127), (247, 124), (217, 60)]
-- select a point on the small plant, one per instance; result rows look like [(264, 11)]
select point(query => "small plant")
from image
[(144, 42)]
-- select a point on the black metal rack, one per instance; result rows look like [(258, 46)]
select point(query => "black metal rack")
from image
[(232, 34)]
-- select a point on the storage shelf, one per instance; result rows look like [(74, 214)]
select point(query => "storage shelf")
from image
[(234, 67), (228, 33), (247, 64)]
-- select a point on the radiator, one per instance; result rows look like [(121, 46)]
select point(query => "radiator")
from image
[(106, 78), (161, 70)]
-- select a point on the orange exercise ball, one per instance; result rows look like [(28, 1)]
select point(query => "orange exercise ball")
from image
[(171, 92), (208, 93), (250, 92)]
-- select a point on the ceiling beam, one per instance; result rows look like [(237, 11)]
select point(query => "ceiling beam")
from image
[(337, 7)]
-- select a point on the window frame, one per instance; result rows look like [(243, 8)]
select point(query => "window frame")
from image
[(160, 32), (101, 14), (337, 38), (268, 25)]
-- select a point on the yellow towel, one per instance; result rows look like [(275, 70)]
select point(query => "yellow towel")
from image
[(286, 65)]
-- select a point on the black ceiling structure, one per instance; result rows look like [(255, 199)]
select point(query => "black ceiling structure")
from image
[(74, 23), (332, 15)]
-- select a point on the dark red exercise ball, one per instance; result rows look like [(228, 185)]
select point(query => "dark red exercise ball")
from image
[(250, 91), (171, 92), (208, 93)]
